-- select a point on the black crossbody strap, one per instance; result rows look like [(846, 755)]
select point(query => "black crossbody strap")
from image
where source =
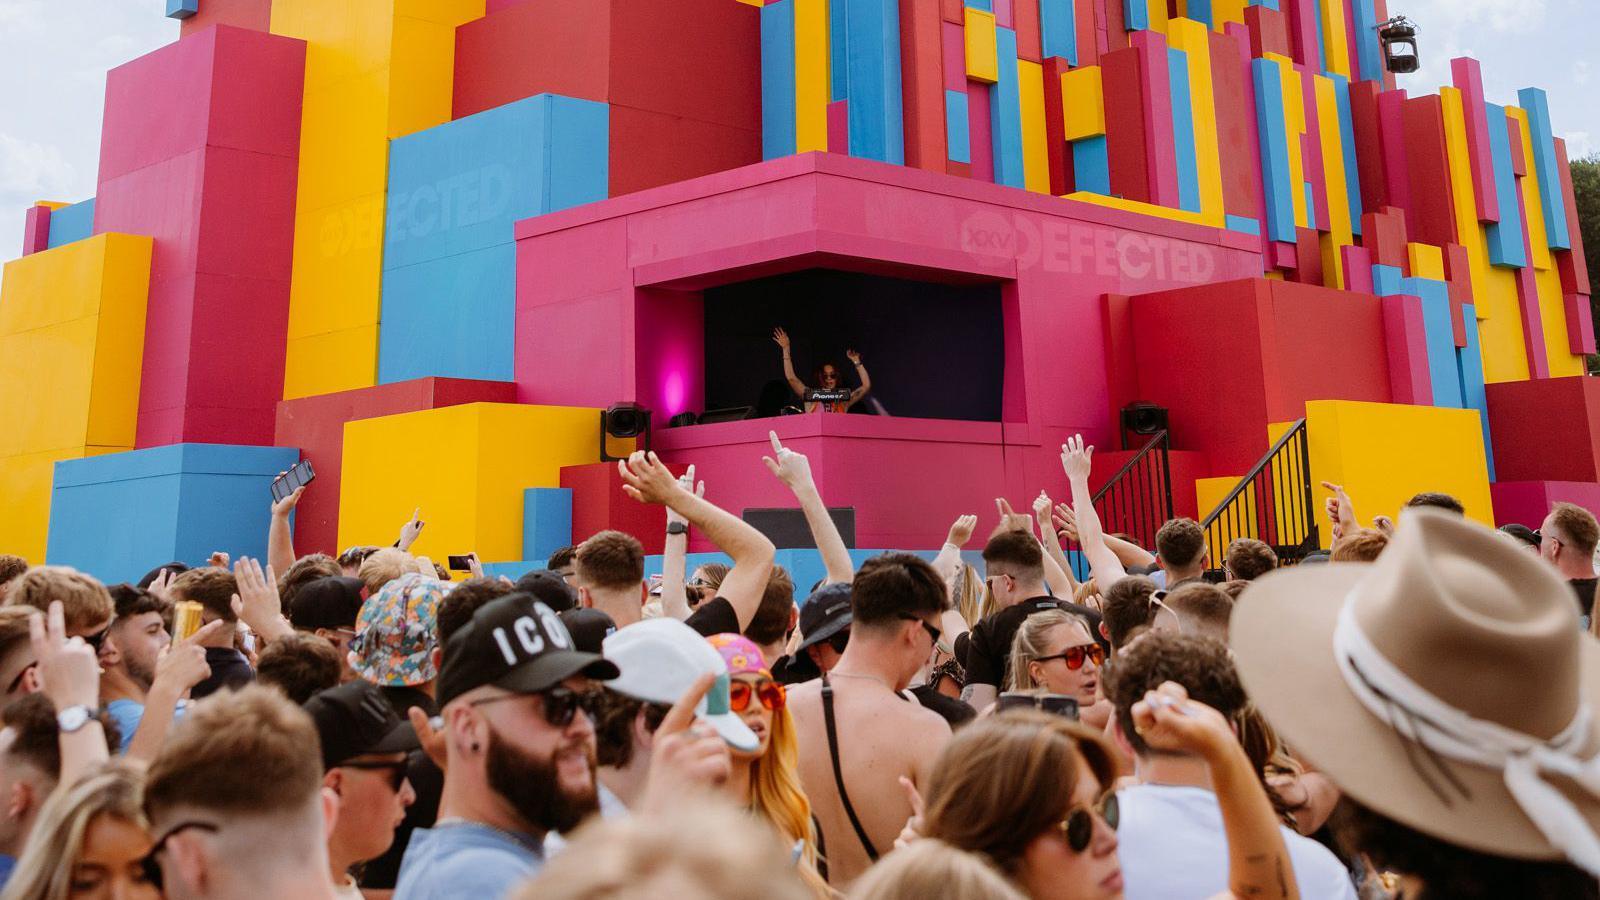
[(838, 774)]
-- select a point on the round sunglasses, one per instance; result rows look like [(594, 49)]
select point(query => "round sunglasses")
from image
[(1075, 656), (770, 693), (1078, 826)]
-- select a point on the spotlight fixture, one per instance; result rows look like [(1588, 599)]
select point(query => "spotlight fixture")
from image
[(1142, 419), (623, 420), (1399, 37)]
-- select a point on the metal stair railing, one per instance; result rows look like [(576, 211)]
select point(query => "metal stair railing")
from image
[(1271, 503)]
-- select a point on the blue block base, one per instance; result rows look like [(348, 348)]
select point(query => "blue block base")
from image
[(546, 521)]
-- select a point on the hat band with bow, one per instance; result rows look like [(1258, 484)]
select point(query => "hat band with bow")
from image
[(1418, 715)]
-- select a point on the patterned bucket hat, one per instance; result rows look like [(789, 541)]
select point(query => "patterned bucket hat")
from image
[(397, 631)]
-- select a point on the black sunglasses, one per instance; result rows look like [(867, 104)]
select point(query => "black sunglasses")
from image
[(1539, 536), (397, 771), (560, 704), (932, 631), (1078, 826), (152, 866), (98, 638)]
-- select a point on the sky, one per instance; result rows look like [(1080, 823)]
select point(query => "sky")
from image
[(54, 55)]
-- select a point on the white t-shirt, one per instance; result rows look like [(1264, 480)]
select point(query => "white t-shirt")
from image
[(1172, 847)]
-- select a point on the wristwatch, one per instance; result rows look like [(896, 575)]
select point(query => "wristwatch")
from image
[(73, 718), (677, 528)]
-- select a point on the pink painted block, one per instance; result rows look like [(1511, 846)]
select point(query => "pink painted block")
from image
[(954, 50), (839, 126), (1283, 255), (1160, 143), (1407, 341), (1357, 263), (1303, 40), (1391, 123), (1003, 13), (1580, 324), (1468, 79), (1528, 502), (36, 230), (980, 129), (1519, 159), (1311, 141)]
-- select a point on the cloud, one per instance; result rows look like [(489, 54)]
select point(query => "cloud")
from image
[(32, 171), (1579, 145), (1580, 72)]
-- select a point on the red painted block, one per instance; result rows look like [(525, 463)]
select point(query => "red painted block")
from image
[(1546, 429), (1161, 152), (680, 148), (36, 228), (1311, 153), (980, 130), (599, 503), (952, 11), (1057, 154), (1283, 256), (839, 127), (255, 15), (1433, 209), (1458, 277), (1238, 148), (1127, 143), (1532, 318), (1088, 44), (1467, 76), (1519, 160), (1111, 25), (1406, 343), (1369, 144), (1269, 31), (218, 196), (1383, 233), (526, 49), (1571, 263), (1580, 323), (1528, 502), (1357, 265), (921, 85), (1308, 254), (958, 169), (1396, 172), (316, 426), (954, 56), (1030, 42), (1122, 362), (1303, 32)]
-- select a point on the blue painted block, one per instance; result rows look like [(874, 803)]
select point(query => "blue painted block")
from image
[(182, 9), (1005, 113), (1183, 130), (876, 116), (450, 318), (120, 515), (1200, 11), (1058, 28), (1443, 371), (1274, 150), (1347, 144), (957, 127), (777, 80), (1369, 51), (1243, 224), (546, 521), (1470, 366), (1544, 163), (1091, 167), (985, 5), (804, 566), (1388, 280), (1269, 4), (1505, 236), (1135, 14), (72, 223), (838, 53)]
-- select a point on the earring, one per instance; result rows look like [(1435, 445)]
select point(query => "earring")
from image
[(474, 746)]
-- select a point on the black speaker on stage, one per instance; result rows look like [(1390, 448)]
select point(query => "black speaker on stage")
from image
[(787, 529), (623, 420), (1142, 420)]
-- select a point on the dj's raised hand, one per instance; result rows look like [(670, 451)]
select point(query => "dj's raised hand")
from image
[(791, 467), (781, 338), (853, 356)]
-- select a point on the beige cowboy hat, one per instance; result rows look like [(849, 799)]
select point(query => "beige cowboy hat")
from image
[(1447, 686)]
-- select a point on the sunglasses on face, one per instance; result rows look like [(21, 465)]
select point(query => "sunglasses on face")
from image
[(97, 639), (770, 693), (1078, 826), (560, 704), (933, 632), (396, 771), (1074, 656), (1540, 536), (152, 866)]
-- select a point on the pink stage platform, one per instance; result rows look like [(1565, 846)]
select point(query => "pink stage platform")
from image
[(609, 309)]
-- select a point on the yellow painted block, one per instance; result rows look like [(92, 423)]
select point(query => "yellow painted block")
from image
[(72, 344), (1135, 206), (338, 268), (1194, 40), (983, 54), (1334, 39), (1332, 270), (1340, 228), (421, 75), (1225, 11), (1209, 492), (465, 466), (335, 361), (1035, 156), (1553, 312), (444, 12), (1294, 115), (1427, 261), (1384, 453), (51, 204), (1158, 15), (1083, 103), (1532, 191), (25, 483), (1494, 290), (811, 67)]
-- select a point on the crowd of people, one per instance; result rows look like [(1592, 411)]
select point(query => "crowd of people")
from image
[(1411, 714)]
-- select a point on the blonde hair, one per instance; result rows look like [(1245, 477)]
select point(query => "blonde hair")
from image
[(1088, 594), (44, 871), (776, 794), (1029, 644), (932, 868), (385, 566), (971, 593), (85, 602), (704, 849)]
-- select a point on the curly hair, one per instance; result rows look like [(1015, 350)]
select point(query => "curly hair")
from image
[(1249, 559)]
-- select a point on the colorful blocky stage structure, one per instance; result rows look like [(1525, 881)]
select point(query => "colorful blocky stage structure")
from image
[(424, 244)]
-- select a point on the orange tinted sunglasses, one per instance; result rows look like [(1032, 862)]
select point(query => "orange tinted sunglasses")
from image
[(770, 693)]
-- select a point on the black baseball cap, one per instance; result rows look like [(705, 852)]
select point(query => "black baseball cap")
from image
[(549, 588), (355, 719), (517, 644), (1522, 533), (588, 627), (824, 614), (175, 567), (332, 602)]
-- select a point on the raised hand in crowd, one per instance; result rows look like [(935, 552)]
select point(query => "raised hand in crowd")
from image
[(180, 667), (674, 568), (69, 674), (1077, 460), (794, 470), (280, 537), (257, 602), (411, 530)]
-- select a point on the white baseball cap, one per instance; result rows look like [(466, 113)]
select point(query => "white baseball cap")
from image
[(660, 659)]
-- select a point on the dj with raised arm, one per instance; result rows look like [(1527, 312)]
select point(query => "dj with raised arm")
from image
[(836, 397)]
